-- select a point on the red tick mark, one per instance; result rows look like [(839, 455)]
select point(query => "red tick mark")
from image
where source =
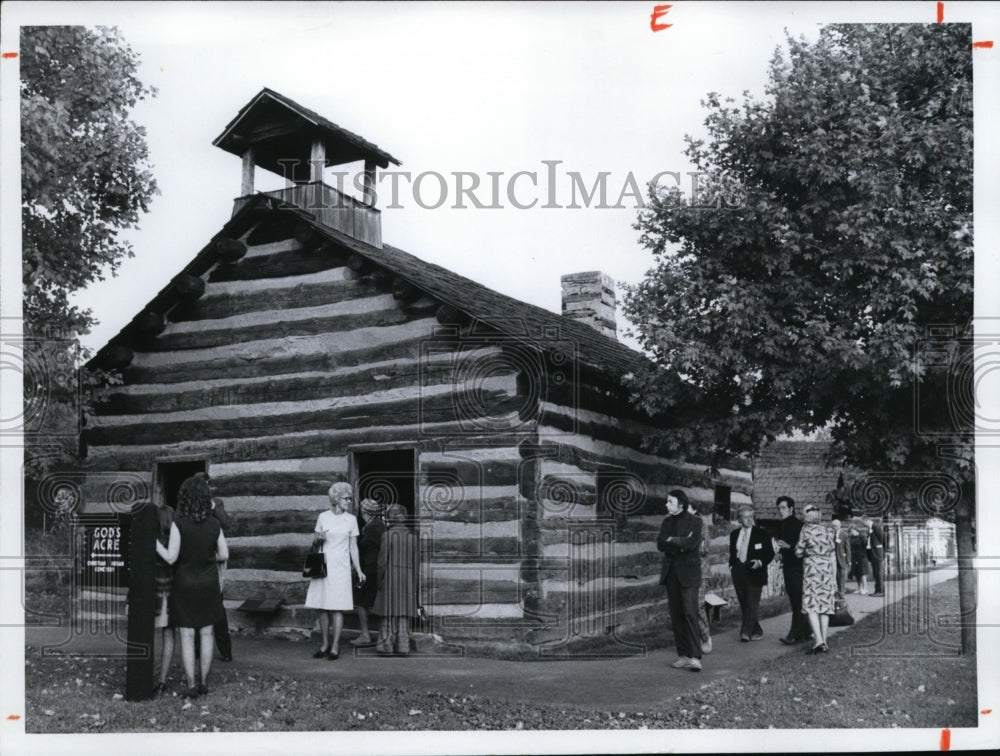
[(945, 739), (7, 55), (14, 717), (654, 17), (983, 45), (940, 12)]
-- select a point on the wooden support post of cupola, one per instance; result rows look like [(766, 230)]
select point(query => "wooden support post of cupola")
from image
[(248, 168), (369, 198), (317, 161)]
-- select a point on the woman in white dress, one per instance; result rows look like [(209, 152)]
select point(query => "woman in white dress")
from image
[(337, 531)]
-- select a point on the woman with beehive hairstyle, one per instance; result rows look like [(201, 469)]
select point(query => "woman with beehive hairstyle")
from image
[(337, 532)]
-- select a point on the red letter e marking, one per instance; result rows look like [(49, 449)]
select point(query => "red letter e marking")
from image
[(659, 10)]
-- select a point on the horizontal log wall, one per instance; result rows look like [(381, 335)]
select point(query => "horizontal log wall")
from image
[(471, 515), (289, 359), (593, 569)]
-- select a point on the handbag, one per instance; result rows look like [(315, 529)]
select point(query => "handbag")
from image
[(842, 616), (314, 565)]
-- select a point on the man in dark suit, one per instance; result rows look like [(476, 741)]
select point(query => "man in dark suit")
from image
[(791, 569), (842, 548), (680, 541), (875, 550), (750, 552)]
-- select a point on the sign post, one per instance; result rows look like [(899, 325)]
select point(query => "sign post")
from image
[(141, 603)]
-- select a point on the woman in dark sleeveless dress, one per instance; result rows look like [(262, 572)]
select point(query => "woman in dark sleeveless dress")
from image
[(372, 528), (196, 597)]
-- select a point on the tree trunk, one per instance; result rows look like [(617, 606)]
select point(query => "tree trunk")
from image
[(966, 569)]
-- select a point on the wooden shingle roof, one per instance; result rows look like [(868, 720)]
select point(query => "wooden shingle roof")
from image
[(521, 321), (511, 316), (279, 128)]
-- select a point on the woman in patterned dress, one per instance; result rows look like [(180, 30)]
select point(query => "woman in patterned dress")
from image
[(819, 575), (337, 530)]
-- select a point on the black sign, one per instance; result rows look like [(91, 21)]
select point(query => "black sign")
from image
[(105, 542)]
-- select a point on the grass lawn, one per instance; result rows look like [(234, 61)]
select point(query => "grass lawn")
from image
[(920, 684)]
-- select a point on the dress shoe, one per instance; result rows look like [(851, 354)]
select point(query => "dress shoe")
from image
[(744, 638), (226, 657), (681, 663), (757, 636), (202, 689), (190, 693), (706, 647), (321, 653), (788, 640), (363, 640), (693, 664), (332, 655), (879, 593)]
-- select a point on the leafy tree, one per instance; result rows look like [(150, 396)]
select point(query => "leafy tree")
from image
[(806, 299), (85, 178)]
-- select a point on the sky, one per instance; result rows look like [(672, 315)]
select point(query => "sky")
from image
[(458, 88), (445, 88)]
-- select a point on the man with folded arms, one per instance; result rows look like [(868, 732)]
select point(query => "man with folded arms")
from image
[(750, 552), (680, 541)]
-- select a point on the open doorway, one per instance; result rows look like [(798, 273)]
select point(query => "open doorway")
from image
[(386, 475), (168, 476)]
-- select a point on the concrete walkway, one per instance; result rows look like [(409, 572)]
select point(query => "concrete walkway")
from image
[(635, 683)]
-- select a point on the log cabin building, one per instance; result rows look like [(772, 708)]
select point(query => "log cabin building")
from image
[(295, 348)]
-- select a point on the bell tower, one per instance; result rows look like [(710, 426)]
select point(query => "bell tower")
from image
[(279, 135)]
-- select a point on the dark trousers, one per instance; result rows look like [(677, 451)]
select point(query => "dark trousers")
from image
[(683, 603), (793, 587), (841, 579), (876, 564), (222, 639), (749, 597)]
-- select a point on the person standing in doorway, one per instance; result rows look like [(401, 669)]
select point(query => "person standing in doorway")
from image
[(168, 546), (372, 528), (397, 600), (750, 551), (791, 569), (680, 540)]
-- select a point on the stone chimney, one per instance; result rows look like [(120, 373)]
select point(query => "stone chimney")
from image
[(590, 298)]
